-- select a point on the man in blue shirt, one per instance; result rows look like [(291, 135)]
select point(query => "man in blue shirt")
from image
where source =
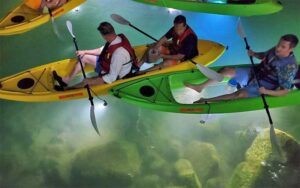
[(275, 73)]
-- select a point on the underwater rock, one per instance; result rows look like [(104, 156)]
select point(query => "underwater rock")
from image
[(111, 165), (261, 168), (187, 174), (215, 183), (204, 158), (148, 181)]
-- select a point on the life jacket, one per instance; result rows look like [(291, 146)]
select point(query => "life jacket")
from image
[(34, 4), (177, 40), (297, 79), (267, 70), (108, 50)]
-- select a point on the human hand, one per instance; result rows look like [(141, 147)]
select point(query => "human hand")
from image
[(263, 90), (251, 53), (52, 4), (80, 52)]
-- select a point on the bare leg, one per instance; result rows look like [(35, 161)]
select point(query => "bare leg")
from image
[(236, 95), (228, 72), (86, 59), (164, 64), (90, 81)]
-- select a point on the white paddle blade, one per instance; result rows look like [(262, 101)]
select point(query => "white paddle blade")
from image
[(93, 119), (119, 19), (70, 27), (240, 29), (211, 74)]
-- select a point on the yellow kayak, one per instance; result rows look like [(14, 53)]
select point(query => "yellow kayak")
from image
[(37, 84), (23, 18)]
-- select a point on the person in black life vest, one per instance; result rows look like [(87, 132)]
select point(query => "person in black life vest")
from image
[(183, 45), (276, 73), (112, 62)]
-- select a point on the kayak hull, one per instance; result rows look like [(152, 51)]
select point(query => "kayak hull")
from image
[(37, 84), (23, 18), (260, 7), (158, 93)]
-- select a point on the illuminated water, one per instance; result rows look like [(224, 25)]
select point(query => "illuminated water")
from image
[(54, 144)]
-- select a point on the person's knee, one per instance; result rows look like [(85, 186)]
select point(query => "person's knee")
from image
[(240, 94), (169, 62), (228, 72)]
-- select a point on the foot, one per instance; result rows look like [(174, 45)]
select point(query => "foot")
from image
[(201, 101), (59, 88), (59, 79), (140, 73), (197, 87)]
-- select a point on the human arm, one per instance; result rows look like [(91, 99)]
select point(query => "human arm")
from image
[(286, 76), (174, 57), (275, 93), (96, 51), (258, 55)]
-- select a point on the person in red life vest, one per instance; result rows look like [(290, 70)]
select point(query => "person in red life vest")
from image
[(41, 4), (183, 46), (275, 73), (112, 62)]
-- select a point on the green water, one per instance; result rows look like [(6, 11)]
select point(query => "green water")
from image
[(54, 144)]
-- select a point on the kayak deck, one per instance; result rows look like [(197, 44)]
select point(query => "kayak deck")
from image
[(165, 92), (37, 84), (23, 18), (260, 7)]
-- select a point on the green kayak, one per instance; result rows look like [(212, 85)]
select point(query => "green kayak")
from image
[(227, 7), (166, 92)]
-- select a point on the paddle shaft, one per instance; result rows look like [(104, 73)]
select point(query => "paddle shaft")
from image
[(143, 32), (83, 72), (256, 78)]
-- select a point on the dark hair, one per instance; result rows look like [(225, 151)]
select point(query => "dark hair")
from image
[(106, 28), (180, 19), (291, 38)]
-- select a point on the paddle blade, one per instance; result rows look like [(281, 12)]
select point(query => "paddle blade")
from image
[(93, 119), (240, 29), (119, 19), (70, 28), (209, 73), (275, 144)]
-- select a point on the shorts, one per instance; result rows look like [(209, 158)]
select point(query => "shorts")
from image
[(242, 76), (98, 66), (164, 50)]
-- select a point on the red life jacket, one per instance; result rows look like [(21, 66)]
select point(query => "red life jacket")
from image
[(108, 50), (177, 40)]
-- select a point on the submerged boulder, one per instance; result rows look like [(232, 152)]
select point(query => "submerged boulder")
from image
[(187, 174), (263, 168), (111, 165), (204, 158)]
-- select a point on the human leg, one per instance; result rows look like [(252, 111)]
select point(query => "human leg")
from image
[(232, 96), (86, 59), (227, 72)]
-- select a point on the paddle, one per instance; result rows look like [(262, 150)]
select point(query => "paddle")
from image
[(273, 138), (211, 74), (92, 109), (54, 26)]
